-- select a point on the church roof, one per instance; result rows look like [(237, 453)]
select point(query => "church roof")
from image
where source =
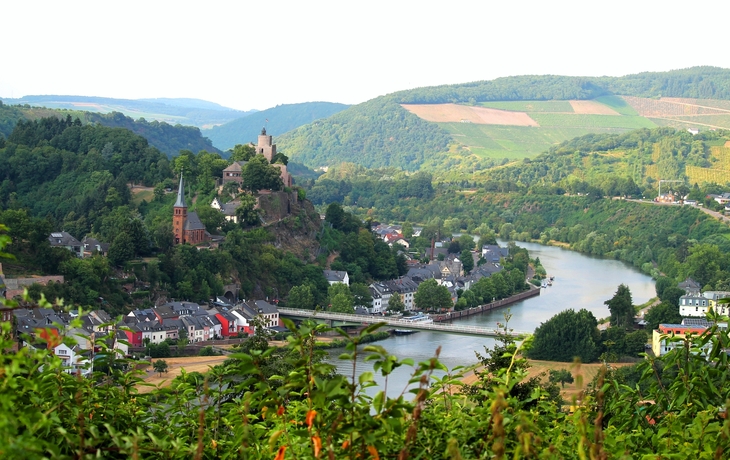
[(193, 222), (180, 203)]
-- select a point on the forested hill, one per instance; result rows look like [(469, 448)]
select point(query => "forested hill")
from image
[(381, 133), (694, 82), (278, 120), (169, 139), (376, 133), (624, 164), (74, 173), (193, 112)]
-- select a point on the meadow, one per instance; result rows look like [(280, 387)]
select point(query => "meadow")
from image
[(514, 142), (618, 104), (530, 106), (591, 121)]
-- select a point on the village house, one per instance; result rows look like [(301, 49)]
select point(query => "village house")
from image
[(697, 305), (65, 240), (227, 209), (93, 246), (334, 277), (662, 338), (380, 293), (406, 288)]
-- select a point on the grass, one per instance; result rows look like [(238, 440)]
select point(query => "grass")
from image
[(591, 121), (618, 104), (514, 142), (530, 106), (138, 196), (697, 175), (722, 121)]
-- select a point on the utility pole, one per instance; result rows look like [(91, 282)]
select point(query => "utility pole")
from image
[(663, 180)]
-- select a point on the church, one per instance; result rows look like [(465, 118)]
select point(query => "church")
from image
[(186, 227)]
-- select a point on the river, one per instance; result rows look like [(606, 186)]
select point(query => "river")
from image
[(580, 282)]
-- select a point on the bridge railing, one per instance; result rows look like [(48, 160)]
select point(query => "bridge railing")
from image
[(406, 324)]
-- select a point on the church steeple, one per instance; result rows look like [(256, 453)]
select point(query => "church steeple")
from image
[(179, 215), (180, 203)]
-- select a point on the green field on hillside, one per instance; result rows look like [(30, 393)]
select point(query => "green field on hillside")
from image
[(530, 106), (618, 104), (591, 121), (721, 121), (514, 142)]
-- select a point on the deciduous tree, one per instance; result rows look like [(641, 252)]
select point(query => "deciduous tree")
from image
[(430, 296)]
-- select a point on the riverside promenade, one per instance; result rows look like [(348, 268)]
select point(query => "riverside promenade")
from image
[(452, 315)]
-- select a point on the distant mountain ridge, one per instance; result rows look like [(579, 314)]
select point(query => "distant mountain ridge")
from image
[(182, 111), (277, 120)]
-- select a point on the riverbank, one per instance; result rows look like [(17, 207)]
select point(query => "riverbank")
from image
[(450, 316)]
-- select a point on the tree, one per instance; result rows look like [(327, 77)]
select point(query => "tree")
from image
[(212, 218), (121, 249), (396, 303), (565, 336), (182, 340), (407, 230), (232, 188), (301, 297), (665, 312), (160, 366), (361, 294), (341, 303), (340, 298), (258, 174), (430, 296), (242, 152), (621, 308), (561, 376), (246, 212), (467, 261)]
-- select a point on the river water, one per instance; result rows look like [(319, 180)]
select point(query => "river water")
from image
[(580, 282)]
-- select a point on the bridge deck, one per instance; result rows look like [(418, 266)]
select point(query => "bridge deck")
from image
[(402, 324)]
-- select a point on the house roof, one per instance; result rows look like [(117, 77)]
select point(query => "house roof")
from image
[(332, 275), (236, 166), (63, 239)]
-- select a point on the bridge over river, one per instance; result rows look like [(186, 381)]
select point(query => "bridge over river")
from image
[(401, 323)]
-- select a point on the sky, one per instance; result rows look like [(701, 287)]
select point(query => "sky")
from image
[(256, 55)]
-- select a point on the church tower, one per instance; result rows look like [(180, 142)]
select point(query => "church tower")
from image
[(265, 146), (179, 215)]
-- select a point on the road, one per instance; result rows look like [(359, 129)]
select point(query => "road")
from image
[(709, 212)]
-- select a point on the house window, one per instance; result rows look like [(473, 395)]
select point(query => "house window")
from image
[(62, 352)]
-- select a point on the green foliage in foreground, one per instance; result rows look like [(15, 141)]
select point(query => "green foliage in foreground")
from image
[(239, 411)]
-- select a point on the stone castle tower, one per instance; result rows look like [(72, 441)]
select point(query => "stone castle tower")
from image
[(265, 146)]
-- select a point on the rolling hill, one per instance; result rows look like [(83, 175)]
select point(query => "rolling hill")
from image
[(167, 138), (475, 126), (194, 112), (277, 120)]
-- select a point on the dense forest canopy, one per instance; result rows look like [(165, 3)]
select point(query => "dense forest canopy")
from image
[(694, 82), (605, 161), (377, 133)]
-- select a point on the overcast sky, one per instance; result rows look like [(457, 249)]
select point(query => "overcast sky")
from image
[(255, 55)]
